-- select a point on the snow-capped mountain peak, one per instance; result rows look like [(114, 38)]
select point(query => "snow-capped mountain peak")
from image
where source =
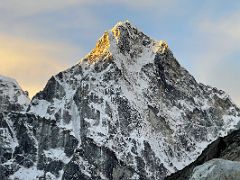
[(122, 38), (131, 88), (11, 95), (129, 110)]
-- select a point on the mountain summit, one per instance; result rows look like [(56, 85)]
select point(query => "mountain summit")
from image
[(128, 110), (123, 38), (12, 97)]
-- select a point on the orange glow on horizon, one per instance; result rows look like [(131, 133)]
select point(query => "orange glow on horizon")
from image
[(32, 63)]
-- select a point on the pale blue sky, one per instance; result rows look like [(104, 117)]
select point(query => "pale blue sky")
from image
[(53, 35)]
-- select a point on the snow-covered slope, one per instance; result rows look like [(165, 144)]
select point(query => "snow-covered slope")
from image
[(12, 97), (131, 96), (127, 110), (217, 169)]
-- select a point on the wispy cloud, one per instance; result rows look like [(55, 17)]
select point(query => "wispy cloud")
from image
[(28, 7), (218, 62), (143, 4)]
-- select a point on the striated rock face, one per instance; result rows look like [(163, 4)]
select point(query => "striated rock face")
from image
[(128, 110), (33, 146), (12, 100)]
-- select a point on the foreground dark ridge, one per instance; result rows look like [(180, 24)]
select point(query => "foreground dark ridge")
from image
[(227, 148)]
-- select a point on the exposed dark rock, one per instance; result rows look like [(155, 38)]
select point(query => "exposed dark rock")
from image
[(225, 148), (52, 90)]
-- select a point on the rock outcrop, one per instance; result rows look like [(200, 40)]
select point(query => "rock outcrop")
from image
[(217, 169), (226, 148)]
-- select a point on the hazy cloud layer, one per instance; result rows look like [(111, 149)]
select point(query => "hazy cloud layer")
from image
[(219, 64), (33, 63)]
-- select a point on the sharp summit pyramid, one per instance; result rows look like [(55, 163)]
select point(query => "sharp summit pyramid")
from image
[(127, 110)]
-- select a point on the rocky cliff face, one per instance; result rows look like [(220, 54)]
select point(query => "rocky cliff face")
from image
[(221, 156), (12, 100), (128, 110)]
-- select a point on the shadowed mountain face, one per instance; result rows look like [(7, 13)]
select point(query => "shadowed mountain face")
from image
[(128, 110), (227, 148)]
